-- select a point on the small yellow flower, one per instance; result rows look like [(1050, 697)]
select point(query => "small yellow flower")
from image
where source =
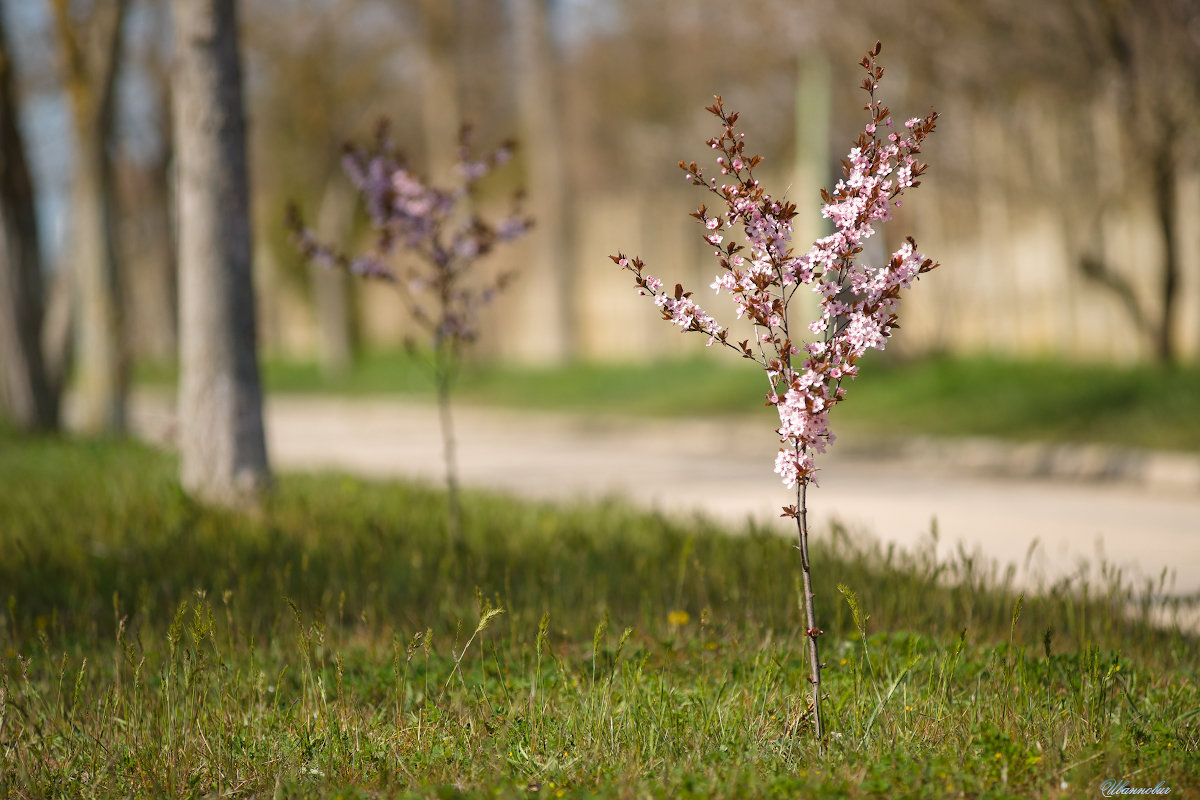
[(678, 619)]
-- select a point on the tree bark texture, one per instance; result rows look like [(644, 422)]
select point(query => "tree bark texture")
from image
[(223, 456), (27, 394)]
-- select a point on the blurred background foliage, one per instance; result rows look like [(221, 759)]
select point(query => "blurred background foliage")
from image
[(1061, 199)]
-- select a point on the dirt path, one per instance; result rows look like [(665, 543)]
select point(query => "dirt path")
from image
[(1049, 528)]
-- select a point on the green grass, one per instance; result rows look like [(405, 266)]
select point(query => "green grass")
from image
[(1139, 406), (330, 645)]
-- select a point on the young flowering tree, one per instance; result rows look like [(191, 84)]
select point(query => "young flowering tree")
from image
[(858, 302), (443, 239)]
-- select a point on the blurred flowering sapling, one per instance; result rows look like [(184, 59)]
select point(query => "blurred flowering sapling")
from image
[(763, 272), (426, 242)]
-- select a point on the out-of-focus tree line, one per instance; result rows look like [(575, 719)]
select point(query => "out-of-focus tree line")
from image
[(1062, 196)]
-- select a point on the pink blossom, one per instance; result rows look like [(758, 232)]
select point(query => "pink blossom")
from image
[(858, 301), (406, 212), (725, 281)]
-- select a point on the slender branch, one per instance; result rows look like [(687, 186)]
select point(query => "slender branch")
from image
[(1097, 270), (443, 367), (811, 630)]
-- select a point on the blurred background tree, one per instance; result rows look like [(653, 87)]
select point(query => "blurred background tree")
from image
[(1102, 101), (90, 41), (28, 394), (223, 455), (1062, 190)]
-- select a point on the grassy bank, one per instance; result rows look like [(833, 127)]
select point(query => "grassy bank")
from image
[(331, 645), (1139, 406)]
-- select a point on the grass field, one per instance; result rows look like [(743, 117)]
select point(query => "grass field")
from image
[(330, 645), (1139, 406)]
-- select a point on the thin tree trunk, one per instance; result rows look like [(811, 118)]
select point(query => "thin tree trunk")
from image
[(1164, 207), (811, 630), (149, 269), (25, 389), (146, 227), (549, 285), (811, 152), (102, 375), (811, 162), (331, 287), (58, 329), (440, 117), (223, 456), (162, 274), (453, 500), (91, 79)]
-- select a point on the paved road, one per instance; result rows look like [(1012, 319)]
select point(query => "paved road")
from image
[(1049, 528)]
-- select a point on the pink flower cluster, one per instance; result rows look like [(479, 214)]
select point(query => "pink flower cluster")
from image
[(858, 301), (409, 214), (677, 308)]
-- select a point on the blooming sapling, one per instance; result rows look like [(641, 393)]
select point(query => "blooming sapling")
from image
[(858, 302), (444, 240)]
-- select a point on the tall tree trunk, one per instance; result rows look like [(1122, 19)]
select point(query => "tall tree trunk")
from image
[(91, 79), (102, 377), (549, 285), (222, 445), (26, 392)]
